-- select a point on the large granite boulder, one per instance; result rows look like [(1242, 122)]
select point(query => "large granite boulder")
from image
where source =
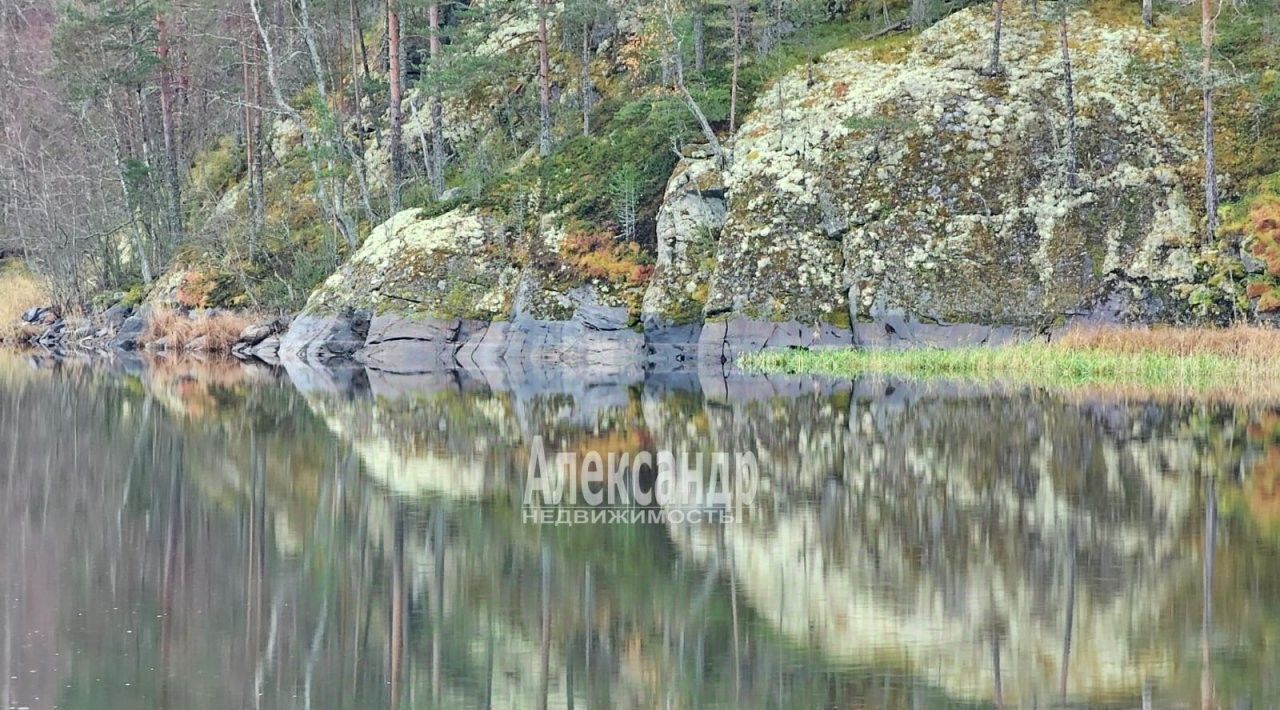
[(424, 294), (688, 225), (904, 191)]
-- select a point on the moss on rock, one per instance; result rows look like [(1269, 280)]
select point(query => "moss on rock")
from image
[(919, 184)]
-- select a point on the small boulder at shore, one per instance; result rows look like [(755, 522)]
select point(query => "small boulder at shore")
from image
[(115, 316), (41, 315), (130, 332), (255, 334)]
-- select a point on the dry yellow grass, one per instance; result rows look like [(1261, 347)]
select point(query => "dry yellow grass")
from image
[(1243, 344), (1206, 363), (19, 290), (177, 330)]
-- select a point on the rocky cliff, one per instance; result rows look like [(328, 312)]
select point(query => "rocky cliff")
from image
[(890, 193)]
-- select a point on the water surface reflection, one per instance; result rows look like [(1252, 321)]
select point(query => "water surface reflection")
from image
[(189, 536)]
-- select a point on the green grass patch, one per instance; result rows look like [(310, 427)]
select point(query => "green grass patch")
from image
[(1033, 363)]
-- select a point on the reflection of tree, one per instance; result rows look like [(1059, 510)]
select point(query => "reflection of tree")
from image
[(990, 547), (958, 535)]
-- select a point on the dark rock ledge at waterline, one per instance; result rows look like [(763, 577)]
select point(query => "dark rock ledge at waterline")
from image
[(598, 339), (400, 344)]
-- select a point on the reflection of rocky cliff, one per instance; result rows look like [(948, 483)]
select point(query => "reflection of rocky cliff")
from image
[(941, 532), (931, 531), (906, 543), (461, 436)]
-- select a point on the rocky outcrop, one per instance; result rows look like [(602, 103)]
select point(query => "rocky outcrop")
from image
[(47, 329), (595, 338), (430, 293), (129, 335), (688, 226), (914, 197), (874, 197)]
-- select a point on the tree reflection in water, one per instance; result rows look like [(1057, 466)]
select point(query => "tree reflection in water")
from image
[(192, 536)]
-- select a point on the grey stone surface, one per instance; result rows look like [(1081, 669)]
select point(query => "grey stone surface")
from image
[(318, 339), (115, 316), (259, 332), (130, 331), (727, 340)]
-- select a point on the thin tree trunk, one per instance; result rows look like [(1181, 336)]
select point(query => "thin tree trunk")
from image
[(1209, 542), (259, 185), (131, 202), (251, 167), (282, 104), (422, 136), (699, 36), (150, 218), (1148, 18), (166, 124), (1210, 158), (356, 147), (337, 140), (396, 621), (584, 81), (1073, 180), (1070, 620), (135, 232), (919, 14), (993, 68), (736, 12), (364, 50), (435, 170), (544, 655), (393, 113), (544, 82), (678, 65)]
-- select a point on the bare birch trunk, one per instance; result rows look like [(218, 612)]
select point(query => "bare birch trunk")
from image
[(282, 105), (993, 68), (1210, 158), (544, 82), (435, 170), (395, 79), (166, 126), (1073, 180), (677, 63)]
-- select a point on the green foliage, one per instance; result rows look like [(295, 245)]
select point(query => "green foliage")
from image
[(215, 170), (624, 190), (1040, 363), (1249, 41), (133, 295), (101, 44), (578, 179)]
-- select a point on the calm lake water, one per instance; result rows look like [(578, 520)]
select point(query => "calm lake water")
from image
[(193, 536)]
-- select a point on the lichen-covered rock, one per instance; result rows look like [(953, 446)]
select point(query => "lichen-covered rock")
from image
[(920, 190), (689, 223), (425, 294), (286, 135), (453, 265), (876, 196)]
